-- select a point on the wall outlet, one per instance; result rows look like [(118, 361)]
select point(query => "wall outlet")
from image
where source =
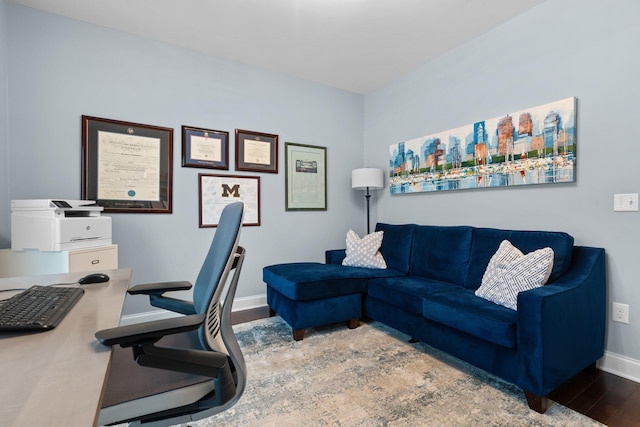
[(620, 312)]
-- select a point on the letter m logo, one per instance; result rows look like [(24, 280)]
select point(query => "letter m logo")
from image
[(230, 191)]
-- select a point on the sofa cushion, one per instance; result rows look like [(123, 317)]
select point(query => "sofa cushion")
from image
[(510, 272), (311, 280), (441, 253), (487, 240), (364, 252), (464, 311), (407, 292), (396, 245)]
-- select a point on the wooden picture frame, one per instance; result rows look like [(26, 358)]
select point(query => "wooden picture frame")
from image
[(205, 148), (217, 191), (127, 167), (306, 177), (256, 151)]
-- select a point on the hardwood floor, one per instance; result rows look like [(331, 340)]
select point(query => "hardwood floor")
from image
[(608, 398), (604, 397)]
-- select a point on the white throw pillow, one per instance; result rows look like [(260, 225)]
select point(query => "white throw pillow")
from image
[(364, 252), (510, 272)]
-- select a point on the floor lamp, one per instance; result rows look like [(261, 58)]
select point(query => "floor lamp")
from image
[(367, 179)]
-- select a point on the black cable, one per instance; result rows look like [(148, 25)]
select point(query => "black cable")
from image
[(14, 289), (7, 290)]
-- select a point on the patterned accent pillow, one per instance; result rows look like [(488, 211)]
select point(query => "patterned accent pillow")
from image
[(510, 272), (364, 252)]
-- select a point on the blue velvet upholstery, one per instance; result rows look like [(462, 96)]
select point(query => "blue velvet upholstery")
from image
[(441, 253), (306, 314), (396, 245), (428, 293), (335, 256), (407, 292), (487, 240), (306, 281), (466, 312), (561, 326)]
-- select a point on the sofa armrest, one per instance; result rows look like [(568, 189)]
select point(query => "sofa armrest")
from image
[(561, 326), (335, 256)]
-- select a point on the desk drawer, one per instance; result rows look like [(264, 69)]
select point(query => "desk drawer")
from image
[(94, 259)]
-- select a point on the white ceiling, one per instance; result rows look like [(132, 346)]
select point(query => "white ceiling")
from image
[(357, 45)]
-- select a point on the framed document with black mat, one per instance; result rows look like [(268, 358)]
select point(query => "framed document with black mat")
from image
[(256, 151), (205, 148), (127, 167)]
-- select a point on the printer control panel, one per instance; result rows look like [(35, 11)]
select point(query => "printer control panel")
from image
[(61, 204)]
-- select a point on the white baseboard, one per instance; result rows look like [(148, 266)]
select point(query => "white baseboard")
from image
[(621, 366), (239, 304), (247, 303)]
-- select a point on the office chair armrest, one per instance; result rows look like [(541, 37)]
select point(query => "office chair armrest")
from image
[(159, 288), (130, 335)]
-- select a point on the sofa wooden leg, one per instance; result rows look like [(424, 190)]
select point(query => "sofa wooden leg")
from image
[(272, 312), (540, 404), (353, 323), (298, 334), (592, 369)]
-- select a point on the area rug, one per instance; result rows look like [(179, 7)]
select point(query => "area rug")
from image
[(370, 376)]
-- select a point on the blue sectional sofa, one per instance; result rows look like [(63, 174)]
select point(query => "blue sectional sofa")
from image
[(428, 292)]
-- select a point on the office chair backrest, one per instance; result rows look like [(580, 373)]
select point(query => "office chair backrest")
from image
[(209, 284)]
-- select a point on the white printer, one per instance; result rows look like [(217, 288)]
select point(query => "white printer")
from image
[(58, 225)]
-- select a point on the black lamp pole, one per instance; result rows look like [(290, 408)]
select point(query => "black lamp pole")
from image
[(367, 196), (367, 179)]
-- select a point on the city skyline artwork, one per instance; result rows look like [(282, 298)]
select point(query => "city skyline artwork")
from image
[(528, 147)]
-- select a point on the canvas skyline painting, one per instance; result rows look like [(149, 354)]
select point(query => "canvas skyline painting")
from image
[(532, 146)]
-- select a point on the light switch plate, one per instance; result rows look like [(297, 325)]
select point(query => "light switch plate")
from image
[(625, 202)]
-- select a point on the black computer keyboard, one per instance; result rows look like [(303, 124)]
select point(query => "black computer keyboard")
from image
[(37, 308)]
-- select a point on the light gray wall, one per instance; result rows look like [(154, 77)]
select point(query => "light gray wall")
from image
[(562, 48), (60, 69), (4, 124)]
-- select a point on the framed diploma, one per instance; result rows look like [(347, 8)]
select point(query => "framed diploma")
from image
[(256, 152), (127, 167), (205, 148), (306, 177), (217, 191)]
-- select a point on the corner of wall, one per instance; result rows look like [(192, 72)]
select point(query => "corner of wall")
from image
[(4, 125)]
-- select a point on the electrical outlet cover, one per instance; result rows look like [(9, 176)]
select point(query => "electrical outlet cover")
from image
[(620, 312), (625, 202)]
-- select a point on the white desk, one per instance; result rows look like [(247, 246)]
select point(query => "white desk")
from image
[(55, 378)]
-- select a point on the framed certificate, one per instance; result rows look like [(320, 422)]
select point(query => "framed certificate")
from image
[(205, 148), (306, 177), (127, 167), (217, 191), (256, 152)]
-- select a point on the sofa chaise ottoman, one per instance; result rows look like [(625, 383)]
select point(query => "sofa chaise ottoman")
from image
[(308, 294)]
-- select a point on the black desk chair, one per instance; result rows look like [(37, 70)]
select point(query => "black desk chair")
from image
[(188, 367)]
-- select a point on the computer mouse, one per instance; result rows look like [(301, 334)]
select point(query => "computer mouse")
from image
[(93, 278)]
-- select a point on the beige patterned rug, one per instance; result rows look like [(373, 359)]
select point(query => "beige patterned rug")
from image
[(370, 376)]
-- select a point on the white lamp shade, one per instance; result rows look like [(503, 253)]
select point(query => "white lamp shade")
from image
[(364, 178)]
